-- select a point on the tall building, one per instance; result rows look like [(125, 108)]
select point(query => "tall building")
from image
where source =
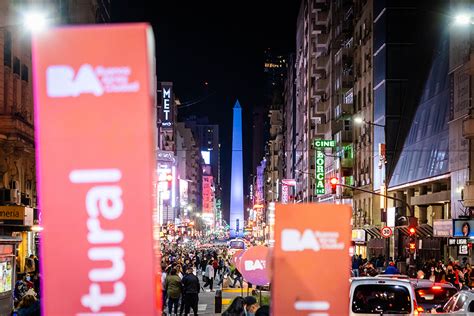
[(207, 141), (236, 221), (274, 157), (289, 121), (366, 207), (189, 170), (324, 81)]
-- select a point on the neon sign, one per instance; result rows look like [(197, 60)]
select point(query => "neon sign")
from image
[(320, 145)]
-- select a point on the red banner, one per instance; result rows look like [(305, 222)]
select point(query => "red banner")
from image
[(311, 259), (95, 128)]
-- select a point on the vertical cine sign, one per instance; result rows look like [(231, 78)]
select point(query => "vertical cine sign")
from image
[(94, 115), (320, 145)]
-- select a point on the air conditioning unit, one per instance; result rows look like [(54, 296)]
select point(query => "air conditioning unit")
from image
[(15, 196)]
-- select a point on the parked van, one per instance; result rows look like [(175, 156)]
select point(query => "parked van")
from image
[(378, 295)]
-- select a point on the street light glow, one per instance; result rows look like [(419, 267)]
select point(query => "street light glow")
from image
[(358, 120), (35, 21), (462, 19)]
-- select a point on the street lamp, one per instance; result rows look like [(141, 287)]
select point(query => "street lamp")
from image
[(462, 19), (35, 21), (359, 120)]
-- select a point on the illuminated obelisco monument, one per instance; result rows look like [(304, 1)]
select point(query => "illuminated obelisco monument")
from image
[(237, 177)]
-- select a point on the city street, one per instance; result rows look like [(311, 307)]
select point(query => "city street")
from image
[(316, 154)]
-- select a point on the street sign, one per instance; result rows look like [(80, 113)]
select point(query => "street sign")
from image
[(94, 115), (308, 248), (386, 232)]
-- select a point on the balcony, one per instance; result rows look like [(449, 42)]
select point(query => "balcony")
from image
[(321, 86), (322, 17), (468, 194), (322, 61), (322, 39), (16, 127), (342, 110), (335, 126), (321, 106), (343, 137), (468, 128)]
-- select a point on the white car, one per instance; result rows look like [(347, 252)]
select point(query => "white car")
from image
[(379, 295), (461, 303)]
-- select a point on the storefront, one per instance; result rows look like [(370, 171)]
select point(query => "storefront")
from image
[(17, 221), (359, 239)]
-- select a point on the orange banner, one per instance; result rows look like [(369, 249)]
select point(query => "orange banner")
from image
[(311, 259)]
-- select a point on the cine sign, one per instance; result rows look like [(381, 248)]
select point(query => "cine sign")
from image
[(320, 145), (166, 105)]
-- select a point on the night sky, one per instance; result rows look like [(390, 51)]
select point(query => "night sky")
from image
[(221, 43)]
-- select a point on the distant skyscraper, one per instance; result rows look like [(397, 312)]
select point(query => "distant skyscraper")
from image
[(237, 177)]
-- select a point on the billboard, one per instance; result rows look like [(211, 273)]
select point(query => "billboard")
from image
[(94, 115), (167, 105), (463, 228), (309, 249), (207, 195)]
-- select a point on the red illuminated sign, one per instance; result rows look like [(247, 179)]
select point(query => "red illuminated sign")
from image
[(207, 195), (95, 115)]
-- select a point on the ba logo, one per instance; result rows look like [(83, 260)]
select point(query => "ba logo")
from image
[(62, 81), (294, 240), (254, 265)]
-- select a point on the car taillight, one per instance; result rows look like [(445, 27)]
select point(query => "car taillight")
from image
[(436, 287), (418, 309)]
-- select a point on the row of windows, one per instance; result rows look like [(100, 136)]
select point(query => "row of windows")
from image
[(18, 68), (363, 98)]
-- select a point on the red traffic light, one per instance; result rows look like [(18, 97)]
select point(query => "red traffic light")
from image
[(412, 230), (334, 181)]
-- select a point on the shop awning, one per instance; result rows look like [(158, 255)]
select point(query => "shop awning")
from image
[(422, 231), (373, 231)]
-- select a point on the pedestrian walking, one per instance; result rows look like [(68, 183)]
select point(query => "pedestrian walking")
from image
[(191, 288), (209, 273), (173, 291), (237, 278)]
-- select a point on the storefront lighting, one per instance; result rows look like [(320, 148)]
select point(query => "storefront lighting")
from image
[(36, 228)]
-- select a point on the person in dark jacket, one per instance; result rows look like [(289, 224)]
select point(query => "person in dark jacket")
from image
[(191, 288)]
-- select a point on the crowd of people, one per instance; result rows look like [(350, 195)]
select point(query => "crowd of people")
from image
[(458, 273), (182, 268)]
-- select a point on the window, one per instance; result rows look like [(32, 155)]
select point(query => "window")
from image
[(24, 72), (7, 50), (364, 104), (433, 296), (359, 97), (459, 303), (377, 299), (369, 93), (16, 66)]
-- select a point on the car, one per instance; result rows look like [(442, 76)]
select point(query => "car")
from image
[(379, 295), (393, 276), (431, 295), (461, 303)]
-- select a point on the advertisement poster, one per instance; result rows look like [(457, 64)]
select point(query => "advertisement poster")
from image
[(95, 128), (5, 276), (310, 257)]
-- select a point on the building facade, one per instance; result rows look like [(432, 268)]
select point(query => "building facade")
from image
[(17, 152)]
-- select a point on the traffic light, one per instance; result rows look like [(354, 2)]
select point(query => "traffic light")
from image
[(412, 239), (334, 182), (169, 180)]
